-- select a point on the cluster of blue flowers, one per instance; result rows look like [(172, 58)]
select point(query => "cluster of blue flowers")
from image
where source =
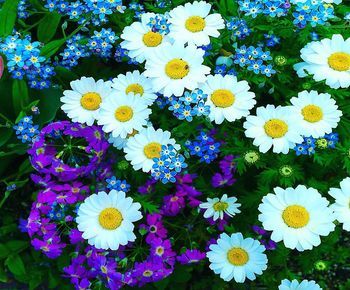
[(254, 59), (271, 40), (57, 212), (168, 165), (117, 184), (101, 43), (159, 23), (24, 60), (204, 147), (26, 131), (94, 10), (120, 53), (138, 8), (308, 146), (272, 8), (312, 11), (22, 10), (224, 69), (73, 51), (238, 27), (189, 105)]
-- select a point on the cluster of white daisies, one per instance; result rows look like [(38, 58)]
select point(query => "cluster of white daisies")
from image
[(297, 216), (173, 64)]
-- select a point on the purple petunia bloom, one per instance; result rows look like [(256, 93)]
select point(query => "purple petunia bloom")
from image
[(191, 256), (173, 204), (220, 180)]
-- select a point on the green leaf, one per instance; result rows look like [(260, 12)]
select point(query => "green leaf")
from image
[(65, 74), (4, 251), (48, 26), (15, 265), (20, 96), (49, 104), (52, 47), (8, 15), (5, 135)]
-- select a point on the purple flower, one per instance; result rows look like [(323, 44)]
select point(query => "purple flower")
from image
[(269, 244), (154, 227), (75, 236), (191, 256), (260, 231), (146, 272), (219, 180), (147, 187), (161, 251), (228, 164), (51, 249), (173, 204)]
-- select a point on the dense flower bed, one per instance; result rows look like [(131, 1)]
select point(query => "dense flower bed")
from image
[(175, 144)]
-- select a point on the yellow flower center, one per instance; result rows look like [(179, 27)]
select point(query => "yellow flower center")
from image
[(135, 88), (296, 216), (220, 206), (195, 24), (160, 250), (123, 113), (152, 39), (339, 61), (152, 150), (91, 101), (312, 113), (222, 98), (238, 256), (276, 128), (147, 273), (110, 218), (177, 69)]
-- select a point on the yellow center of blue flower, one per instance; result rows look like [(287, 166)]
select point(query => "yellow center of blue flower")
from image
[(220, 206), (237, 256)]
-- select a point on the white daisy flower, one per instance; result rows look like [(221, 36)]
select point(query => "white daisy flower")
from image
[(106, 220), (328, 59), (140, 40), (234, 257), (146, 145), (319, 113), (273, 127), (295, 285), (173, 67), (297, 216), (192, 23), (228, 98), (215, 207), (136, 83), (82, 104), (121, 114), (341, 206)]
